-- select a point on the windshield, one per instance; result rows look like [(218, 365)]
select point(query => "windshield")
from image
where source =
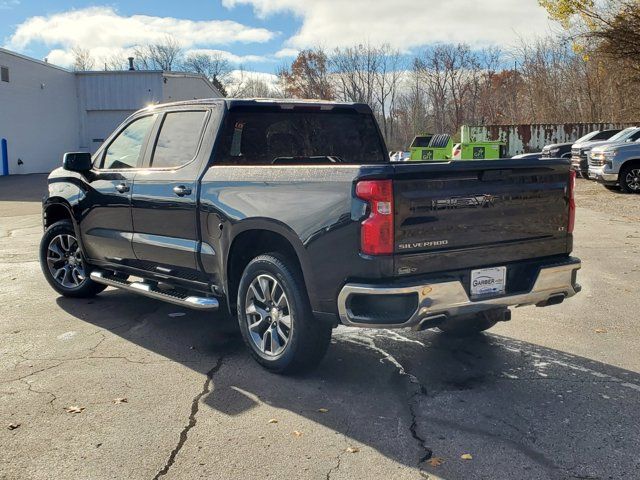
[(273, 136), (587, 137), (623, 135)]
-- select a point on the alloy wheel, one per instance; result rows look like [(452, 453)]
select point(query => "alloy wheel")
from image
[(633, 179), (64, 261), (268, 315)]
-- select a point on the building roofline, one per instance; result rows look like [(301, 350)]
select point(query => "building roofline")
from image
[(119, 72), (34, 60)]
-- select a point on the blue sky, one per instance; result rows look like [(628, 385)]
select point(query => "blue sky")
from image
[(260, 35)]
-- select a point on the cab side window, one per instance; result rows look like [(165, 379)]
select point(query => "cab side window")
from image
[(125, 151), (179, 139)]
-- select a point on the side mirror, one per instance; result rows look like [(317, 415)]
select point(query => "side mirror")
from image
[(77, 161)]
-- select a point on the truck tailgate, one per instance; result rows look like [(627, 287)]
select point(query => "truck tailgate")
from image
[(479, 213)]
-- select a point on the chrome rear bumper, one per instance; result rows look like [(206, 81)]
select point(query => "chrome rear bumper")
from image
[(553, 284)]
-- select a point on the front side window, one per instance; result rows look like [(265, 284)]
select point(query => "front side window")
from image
[(125, 150), (280, 137), (178, 139)]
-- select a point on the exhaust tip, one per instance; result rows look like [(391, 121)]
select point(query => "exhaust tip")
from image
[(430, 322), (556, 299)]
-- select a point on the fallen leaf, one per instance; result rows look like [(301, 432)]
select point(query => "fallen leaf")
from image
[(13, 426), (352, 450), (273, 420), (323, 410), (600, 330), (74, 409), (296, 433), (466, 456), (435, 461), (120, 400)]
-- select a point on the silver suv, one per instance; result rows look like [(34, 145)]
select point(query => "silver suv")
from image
[(617, 164)]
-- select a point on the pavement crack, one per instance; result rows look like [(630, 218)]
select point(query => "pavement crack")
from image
[(40, 392), (195, 406), (335, 467), (414, 384)]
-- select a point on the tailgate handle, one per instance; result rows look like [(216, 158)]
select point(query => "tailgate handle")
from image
[(493, 175)]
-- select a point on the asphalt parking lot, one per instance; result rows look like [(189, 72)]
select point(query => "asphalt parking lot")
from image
[(163, 392)]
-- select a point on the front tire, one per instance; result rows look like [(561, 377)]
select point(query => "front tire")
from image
[(63, 263), (630, 178), (275, 316)]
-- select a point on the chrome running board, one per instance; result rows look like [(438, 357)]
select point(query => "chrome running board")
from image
[(198, 303)]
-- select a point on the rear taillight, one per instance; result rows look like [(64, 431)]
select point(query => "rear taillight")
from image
[(572, 201), (376, 235)]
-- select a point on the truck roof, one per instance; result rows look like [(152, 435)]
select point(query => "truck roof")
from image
[(267, 102)]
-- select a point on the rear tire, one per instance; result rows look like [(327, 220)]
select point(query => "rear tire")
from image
[(63, 263), (275, 316), (468, 325)]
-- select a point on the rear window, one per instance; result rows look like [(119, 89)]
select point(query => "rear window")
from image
[(605, 135), (275, 137)]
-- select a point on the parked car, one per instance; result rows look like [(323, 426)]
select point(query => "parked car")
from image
[(580, 150), (528, 156), (617, 165), (290, 216), (400, 156), (563, 150)]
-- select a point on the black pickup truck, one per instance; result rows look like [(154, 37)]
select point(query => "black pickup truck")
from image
[(290, 215)]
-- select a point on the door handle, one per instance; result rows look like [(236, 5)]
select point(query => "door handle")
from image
[(181, 190), (122, 188)]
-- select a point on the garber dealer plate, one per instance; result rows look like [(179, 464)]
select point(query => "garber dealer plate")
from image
[(488, 281)]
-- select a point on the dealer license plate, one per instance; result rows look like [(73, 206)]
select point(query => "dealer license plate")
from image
[(488, 281)]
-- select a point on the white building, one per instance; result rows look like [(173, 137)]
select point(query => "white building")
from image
[(47, 110)]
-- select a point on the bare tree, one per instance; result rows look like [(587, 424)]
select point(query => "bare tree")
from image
[(386, 83), (163, 55), (354, 70), (250, 85), (116, 62), (214, 66), (82, 60)]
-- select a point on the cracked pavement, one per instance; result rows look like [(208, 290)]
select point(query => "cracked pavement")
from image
[(544, 396)]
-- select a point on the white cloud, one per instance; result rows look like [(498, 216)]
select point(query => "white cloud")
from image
[(238, 78), (96, 27), (287, 53), (406, 24), (231, 57)]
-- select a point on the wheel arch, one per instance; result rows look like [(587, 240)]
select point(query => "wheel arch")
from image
[(56, 209), (630, 161), (256, 238)]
